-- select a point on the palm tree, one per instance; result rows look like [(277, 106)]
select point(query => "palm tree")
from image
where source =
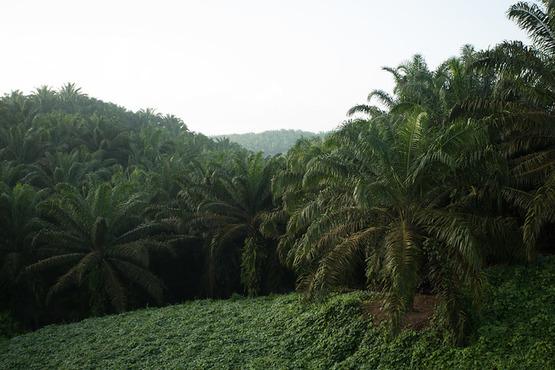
[(437, 92), (45, 99), (15, 108), (71, 97), (393, 197), (105, 139), (233, 210), (20, 222), (21, 144), (76, 168), (11, 172), (148, 145), (415, 86), (101, 243), (520, 112)]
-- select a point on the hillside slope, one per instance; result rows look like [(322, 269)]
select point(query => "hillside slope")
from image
[(516, 331), (270, 142)]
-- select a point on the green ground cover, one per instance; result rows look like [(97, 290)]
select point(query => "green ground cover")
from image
[(516, 331)]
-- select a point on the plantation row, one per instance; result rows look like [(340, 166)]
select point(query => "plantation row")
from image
[(104, 210)]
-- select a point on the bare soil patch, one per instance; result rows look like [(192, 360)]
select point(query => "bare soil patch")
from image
[(418, 318)]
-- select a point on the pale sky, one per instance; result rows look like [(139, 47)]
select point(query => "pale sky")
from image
[(236, 66)]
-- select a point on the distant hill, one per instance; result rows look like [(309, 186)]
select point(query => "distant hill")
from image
[(270, 142)]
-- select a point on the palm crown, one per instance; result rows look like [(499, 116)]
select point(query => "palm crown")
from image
[(100, 242)]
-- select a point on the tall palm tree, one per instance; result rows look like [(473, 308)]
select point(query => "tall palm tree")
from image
[(520, 113), (233, 210), (393, 197), (45, 99), (101, 243), (437, 92), (20, 223), (415, 86), (71, 97)]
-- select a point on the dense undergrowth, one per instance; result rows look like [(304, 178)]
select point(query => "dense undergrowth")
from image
[(516, 330)]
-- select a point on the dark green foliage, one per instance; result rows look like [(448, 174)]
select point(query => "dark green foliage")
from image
[(19, 222), (90, 194), (520, 113), (104, 210), (394, 197), (516, 331), (233, 211), (100, 243), (9, 327)]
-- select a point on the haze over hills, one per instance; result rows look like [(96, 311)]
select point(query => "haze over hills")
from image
[(270, 142)]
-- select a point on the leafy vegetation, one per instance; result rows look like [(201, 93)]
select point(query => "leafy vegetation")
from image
[(98, 239), (91, 202), (104, 210), (390, 196), (284, 332)]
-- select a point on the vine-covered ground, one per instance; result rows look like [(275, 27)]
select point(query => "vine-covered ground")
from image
[(516, 330)]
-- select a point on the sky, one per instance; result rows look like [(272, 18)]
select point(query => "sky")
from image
[(236, 66)]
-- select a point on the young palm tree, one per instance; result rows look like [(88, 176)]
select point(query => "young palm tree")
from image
[(101, 243)]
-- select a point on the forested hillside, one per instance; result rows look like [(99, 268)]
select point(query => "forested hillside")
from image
[(103, 210), (269, 142)]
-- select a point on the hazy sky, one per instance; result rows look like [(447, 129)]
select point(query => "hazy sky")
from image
[(236, 66)]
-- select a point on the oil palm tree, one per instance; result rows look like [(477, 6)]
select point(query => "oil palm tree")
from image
[(12, 172), (415, 86), (105, 139), (393, 197), (101, 243), (45, 99), (233, 210), (438, 92), (20, 223), (21, 144), (71, 98), (75, 168), (520, 114)]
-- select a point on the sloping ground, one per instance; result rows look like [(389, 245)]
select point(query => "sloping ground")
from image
[(517, 331)]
